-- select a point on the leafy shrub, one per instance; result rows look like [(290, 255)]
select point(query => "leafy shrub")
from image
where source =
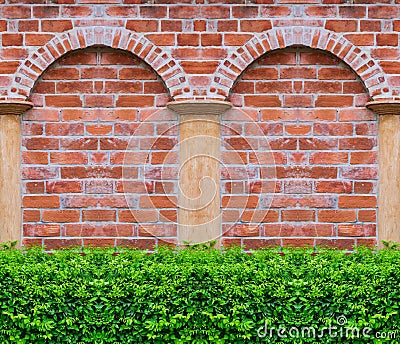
[(196, 296)]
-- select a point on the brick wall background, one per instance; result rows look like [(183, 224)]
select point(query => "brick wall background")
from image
[(311, 157), (299, 73)]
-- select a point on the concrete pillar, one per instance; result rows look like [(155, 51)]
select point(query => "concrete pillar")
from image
[(389, 169), (10, 169), (199, 213)]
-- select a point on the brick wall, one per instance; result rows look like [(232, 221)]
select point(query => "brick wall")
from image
[(299, 73), (91, 167), (307, 175)]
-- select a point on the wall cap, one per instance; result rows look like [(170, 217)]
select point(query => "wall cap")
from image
[(199, 107), (385, 107), (14, 107)]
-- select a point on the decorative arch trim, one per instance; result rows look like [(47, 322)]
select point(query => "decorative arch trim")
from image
[(83, 37), (317, 38)]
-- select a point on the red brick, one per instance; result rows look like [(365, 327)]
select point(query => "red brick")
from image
[(383, 12), (334, 101), (56, 25), (121, 11), (79, 143), (314, 143), (298, 215), (58, 243), (387, 39), (35, 158), (31, 215), (215, 12), (364, 187), (41, 172), (8, 67), (360, 172), (15, 12), (135, 101), (352, 11), (98, 72), (68, 158), (357, 201), (331, 158), (359, 143), (137, 216), (173, 26), (142, 25), (256, 243), (81, 172), (367, 215), (336, 216), (298, 187), (41, 230), (257, 216), (188, 39), (12, 39), (157, 230), (140, 243), (164, 39), (41, 202), (298, 100), (251, 26), (46, 11), (241, 230), (240, 201), (357, 230), (158, 202), (98, 215), (41, 143), (261, 73), (262, 101), (333, 129), (34, 187), (96, 242), (60, 216), (317, 58), (236, 39), (370, 25), (341, 25), (75, 11), (63, 100), (339, 186), (344, 244), (62, 186), (152, 11)]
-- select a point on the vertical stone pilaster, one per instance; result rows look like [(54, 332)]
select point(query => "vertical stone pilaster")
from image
[(10, 169), (389, 169), (199, 213)]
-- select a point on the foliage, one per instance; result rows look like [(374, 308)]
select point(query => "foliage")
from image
[(195, 295)]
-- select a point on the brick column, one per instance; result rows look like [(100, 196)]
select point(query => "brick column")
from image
[(199, 213), (10, 170), (389, 169)]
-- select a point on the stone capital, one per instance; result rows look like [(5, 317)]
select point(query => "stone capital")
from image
[(14, 107), (384, 106), (199, 107)]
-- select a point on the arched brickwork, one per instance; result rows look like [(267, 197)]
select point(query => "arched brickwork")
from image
[(82, 37), (99, 154), (300, 158), (318, 38)]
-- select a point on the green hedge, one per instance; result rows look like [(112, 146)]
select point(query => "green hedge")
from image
[(198, 296)]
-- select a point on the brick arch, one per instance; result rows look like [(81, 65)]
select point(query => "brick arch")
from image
[(79, 38), (317, 38)]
